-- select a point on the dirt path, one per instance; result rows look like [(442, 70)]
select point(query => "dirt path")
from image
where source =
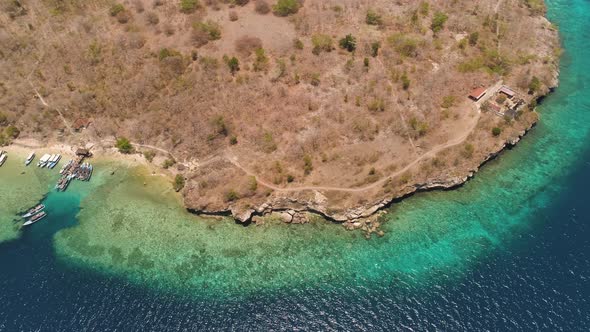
[(431, 153)]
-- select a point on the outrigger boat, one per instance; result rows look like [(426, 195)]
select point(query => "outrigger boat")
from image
[(35, 218), (30, 159), (3, 157), (66, 167), (43, 161), (55, 161), (34, 211)]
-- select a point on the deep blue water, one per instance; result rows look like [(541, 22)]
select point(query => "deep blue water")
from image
[(536, 281)]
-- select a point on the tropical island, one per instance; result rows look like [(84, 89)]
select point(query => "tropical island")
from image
[(284, 107)]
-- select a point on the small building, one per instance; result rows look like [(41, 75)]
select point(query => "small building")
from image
[(507, 91), (81, 123), (478, 93), (495, 107)]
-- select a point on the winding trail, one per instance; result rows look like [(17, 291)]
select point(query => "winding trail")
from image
[(430, 153)]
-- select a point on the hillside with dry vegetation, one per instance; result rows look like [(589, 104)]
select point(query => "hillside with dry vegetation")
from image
[(336, 107)]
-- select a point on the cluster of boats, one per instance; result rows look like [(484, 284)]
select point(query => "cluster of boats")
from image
[(3, 157), (73, 170), (35, 214), (48, 160)]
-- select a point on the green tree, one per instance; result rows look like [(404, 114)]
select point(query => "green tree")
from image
[(178, 182), (496, 131), (234, 65), (124, 145), (348, 43), (534, 85), (438, 21)]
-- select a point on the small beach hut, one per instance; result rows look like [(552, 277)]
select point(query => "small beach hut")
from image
[(477, 94)]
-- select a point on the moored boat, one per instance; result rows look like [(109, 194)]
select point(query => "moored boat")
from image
[(34, 211), (3, 157), (30, 159), (43, 161), (55, 161), (35, 218)]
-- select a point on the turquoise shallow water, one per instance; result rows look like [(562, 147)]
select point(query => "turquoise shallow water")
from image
[(509, 250)]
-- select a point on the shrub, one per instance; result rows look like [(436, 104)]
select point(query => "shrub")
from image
[(321, 43), (438, 21), (12, 131), (245, 45), (168, 163), (348, 43), (188, 6), (290, 178), (286, 7), (373, 18), (473, 38), (210, 28), (233, 140), (261, 62), (298, 44), (501, 98), (448, 101), (116, 9), (405, 81), (149, 155), (315, 79), (366, 62), (252, 184), (375, 46), (231, 196), (307, 165), (3, 119), (152, 18), (124, 145), (424, 8), (534, 85), (123, 17), (468, 150), (167, 52), (262, 7), (404, 45), (178, 182), (377, 105), (496, 131), (234, 65), (233, 16), (219, 125)]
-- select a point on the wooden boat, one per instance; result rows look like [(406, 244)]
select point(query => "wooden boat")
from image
[(3, 157), (30, 159), (34, 211), (35, 218)]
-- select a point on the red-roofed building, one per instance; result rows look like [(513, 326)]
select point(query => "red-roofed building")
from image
[(478, 93)]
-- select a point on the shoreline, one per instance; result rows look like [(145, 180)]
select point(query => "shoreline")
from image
[(289, 210)]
